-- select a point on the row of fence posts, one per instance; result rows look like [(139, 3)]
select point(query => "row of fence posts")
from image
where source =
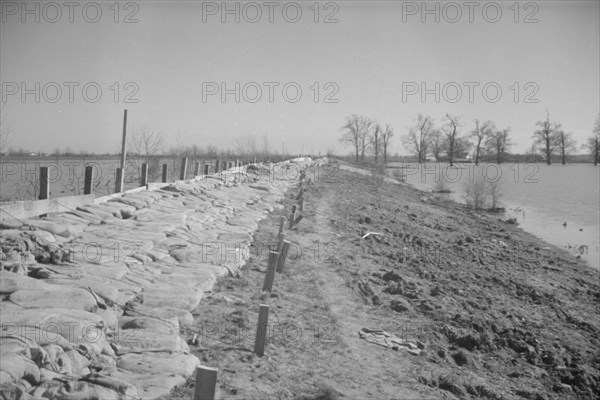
[(206, 167), (206, 377)]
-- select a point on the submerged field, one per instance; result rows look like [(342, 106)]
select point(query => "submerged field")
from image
[(19, 177)]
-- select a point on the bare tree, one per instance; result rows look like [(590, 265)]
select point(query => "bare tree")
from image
[(546, 137), (481, 132), (355, 133), (386, 137), (375, 141), (450, 129), (417, 139), (498, 143), (5, 132), (495, 191), (436, 143), (475, 192), (145, 142), (593, 142), (565, 143)]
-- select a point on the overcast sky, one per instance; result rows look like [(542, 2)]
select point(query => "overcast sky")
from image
[(173, 60)]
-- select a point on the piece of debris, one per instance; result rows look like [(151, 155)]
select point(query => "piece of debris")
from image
[(382, 338), (371, 233)]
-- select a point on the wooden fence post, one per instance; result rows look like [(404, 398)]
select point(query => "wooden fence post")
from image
[(119, 181), (292, 216), (44, 184), (144, 175), (183, 171), (120, 176), (216, 166), (270, 275), (197, 168), (282, 255), (224, 166), (206, 383), (88, 179), (165, 172), (301, 204), (281, 222), (261, 330), (206, 169)]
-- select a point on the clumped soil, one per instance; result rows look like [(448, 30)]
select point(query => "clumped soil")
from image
[(503, 315)]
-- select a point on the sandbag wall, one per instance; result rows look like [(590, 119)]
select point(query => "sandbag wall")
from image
[(93, 300)]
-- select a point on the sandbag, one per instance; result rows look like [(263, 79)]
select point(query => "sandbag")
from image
[(73, 390), (46, 327), (100, 212), (182, 298), (141, 340), (11, 282), (123, 388), (106, 269), (130, 201), (188, 277), (36, 335), (104, 290), (185, 317), (167, 325), (54, 228), (18, 367), (123, 209), (64, 296), (12, 391)]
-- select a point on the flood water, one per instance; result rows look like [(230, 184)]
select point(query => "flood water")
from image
[(541, 197)]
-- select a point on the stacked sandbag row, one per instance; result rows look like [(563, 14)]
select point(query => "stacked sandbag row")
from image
[(93, 300)]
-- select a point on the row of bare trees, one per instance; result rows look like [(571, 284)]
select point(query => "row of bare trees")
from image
[(485, 138), (424, 138), (550, 139), (146, 142), (367, 135)]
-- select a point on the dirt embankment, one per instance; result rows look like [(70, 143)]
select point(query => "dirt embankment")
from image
[(502, 314)]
